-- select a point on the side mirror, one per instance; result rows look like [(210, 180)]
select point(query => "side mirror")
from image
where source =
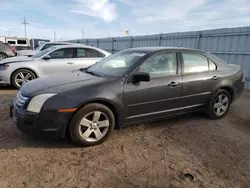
[(141, 77), (47, 57)]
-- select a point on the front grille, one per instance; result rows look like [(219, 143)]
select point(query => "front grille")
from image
[(20, 99)]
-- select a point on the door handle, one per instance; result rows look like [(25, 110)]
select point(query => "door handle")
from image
[(173, 84), (215, 78), (70, 63)]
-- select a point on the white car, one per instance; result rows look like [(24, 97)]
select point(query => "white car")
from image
[(40, 48), (18, 70)]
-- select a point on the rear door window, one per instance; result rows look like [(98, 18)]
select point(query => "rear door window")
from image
[(93, 53), (194, 63)]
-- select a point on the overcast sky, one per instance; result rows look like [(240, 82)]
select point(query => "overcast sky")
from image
[(104, 18)]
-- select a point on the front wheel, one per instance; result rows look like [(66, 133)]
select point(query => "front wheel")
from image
[(91, 125), (219, 104), (22, 76)]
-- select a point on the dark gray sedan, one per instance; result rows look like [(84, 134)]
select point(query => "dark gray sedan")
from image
[(133, 86)]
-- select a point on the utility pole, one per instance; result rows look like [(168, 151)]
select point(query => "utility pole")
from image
[(8, 33), (82, 30), (54, 35), (25, 25)]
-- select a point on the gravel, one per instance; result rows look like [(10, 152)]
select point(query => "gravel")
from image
[(188, 151)]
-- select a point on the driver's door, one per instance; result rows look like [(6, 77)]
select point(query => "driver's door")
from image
[(160, 96), (61, 61)]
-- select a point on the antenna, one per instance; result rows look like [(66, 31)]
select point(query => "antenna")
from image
[(25, 25)]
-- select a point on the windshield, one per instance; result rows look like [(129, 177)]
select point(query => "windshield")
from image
[(115, 65), (41, 53), (38, 48)]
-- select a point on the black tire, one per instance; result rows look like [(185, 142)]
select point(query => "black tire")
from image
[(3, 55), (74, 125), (210, 109), (25, 72)]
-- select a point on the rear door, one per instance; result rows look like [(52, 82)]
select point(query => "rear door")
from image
[(85, 57), (200, 77), (160, 96), (61, 61)]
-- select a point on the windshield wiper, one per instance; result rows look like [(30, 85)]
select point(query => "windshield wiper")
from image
[(89, 72)]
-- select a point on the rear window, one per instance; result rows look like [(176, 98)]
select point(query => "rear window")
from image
[(216, 59)]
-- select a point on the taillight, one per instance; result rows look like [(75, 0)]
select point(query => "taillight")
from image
[(11, 49)]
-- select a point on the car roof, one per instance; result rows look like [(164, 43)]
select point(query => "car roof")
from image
[(58, 42), (70, 45), (154, 49)]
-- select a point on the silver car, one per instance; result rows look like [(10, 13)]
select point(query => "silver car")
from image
[(18, 70)]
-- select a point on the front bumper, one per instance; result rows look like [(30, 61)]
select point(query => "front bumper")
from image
[(44, 124), (5, 77)]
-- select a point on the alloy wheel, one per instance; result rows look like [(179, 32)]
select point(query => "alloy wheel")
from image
[(221, 104), (94, 126), (23, 77)]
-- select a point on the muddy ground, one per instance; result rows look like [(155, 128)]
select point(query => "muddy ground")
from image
[(216, 153)]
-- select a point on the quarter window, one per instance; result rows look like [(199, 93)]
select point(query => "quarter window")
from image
[(62, 53), (212, 66), (160, 65), (194, 63)]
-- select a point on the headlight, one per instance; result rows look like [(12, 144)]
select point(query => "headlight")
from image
[(37, 102), (4, 67)]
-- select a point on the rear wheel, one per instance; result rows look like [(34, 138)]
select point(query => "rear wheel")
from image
[(22, 76), (219, 104), (91, 125), (3, 56)]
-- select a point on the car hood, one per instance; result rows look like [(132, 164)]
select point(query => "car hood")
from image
[(16, 59), (59, 83)]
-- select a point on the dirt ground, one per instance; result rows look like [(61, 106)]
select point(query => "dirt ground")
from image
[(216, 153)]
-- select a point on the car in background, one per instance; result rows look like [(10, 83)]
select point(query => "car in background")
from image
[(17, 70), (146, 84), (19, 48), (29, 53), (6, 50)]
